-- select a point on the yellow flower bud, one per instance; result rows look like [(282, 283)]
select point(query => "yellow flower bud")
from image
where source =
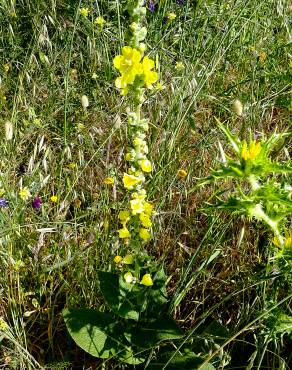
[(147, 280), (118, 259), (128, 259)]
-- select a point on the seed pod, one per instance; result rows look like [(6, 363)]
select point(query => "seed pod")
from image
[(237, 107), (8, 130), (84, 101)]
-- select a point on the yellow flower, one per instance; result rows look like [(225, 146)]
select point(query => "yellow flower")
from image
[(109, 181), (2, 192), (3, 325), (148, 208), (84, 12), (100, 21), (171, 16), (138, 141), (128, 65), (150, 77), (130, 181), (181, 173), (129, 157), (262, 56), (144, 234), (128, 277), (136, 206), (124, 233), (160, 86), (179, 66), (124, 216), (145, 220), (147, 280), (118, 259), (72, 166), (6, 67), (252, 152), (146, 165), (24, 193), (54, 198), (128, 259)]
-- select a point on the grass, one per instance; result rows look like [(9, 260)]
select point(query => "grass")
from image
[(230, 50)]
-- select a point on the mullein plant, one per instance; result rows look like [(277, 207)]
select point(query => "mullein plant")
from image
[(261, 191)]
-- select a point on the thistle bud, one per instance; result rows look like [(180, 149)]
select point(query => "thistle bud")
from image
[(237, 107), (8, 130)]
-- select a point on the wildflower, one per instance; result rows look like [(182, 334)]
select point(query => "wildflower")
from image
[(148, 208), (124, 233), (128, 65), (36, 203), (72, 165), (137, 141), (171, 16), (180, 2), (237, 107), (3, 325), (144, 234), (118, 259), (130, 181), (181, 173), (150, 77), (137, 206), (3, 202), (146, 165), (128, 259), (179, 66), (8, 130), (252, 152), (6, 68), (146, 280), (151, 6), (100, 21), (124, 216), (24, 193), (262, 56), (145, 220), (54, 198), (128, 277), (130, 156), (2, 192), (109, 181), (84, 12), (84, 101)]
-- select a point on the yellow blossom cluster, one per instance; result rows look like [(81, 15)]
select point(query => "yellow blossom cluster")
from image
[(133, 67), (252, 151)]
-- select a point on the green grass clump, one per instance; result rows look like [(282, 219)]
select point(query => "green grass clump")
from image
[(219, 286)]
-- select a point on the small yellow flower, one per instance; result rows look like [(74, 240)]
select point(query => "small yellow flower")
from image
[(145, 220), (6, 67), (84, 12), (136, 206), (124, 216), (171, 16), (147, 280), (146, 165), (138, 141), (72, 166), (160, 86), (128, 277), (262, 56), (109, 181), (128, 65), (148, 208), (150, 77), (3, 325), (179, 66), (144, 234), (118, 259), (128, 259), (252, 152), (54, 198), (181, 173), (130, 181), (2, 192), (124, 233), (100, 21), (24, 193)]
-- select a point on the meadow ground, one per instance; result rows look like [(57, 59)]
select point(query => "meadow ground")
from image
[(55, 239)]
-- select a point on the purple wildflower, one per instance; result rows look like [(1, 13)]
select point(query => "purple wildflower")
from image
[(180, 2), (36, 203), (3, 202), (165, 19), (151, 6)]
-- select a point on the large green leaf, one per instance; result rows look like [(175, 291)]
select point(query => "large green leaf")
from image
[(154, 332), (95, 332), (119, 297), (188, 360)]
